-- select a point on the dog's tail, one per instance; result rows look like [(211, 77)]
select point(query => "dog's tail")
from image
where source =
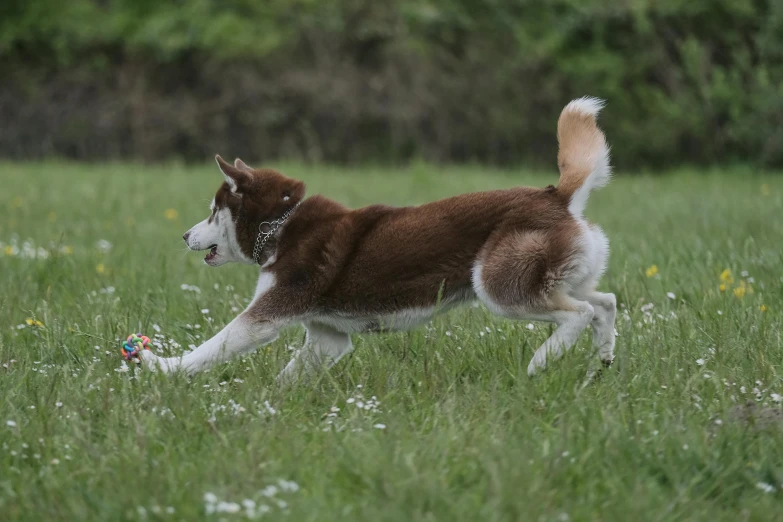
[(583, 158)]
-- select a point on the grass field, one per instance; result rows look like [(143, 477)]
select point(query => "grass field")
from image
[(440, 423)]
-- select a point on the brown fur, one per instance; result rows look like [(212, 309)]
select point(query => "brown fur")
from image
[(381, 259)]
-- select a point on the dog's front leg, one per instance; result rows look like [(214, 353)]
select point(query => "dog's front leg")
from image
[(323, 347), (243, 334)]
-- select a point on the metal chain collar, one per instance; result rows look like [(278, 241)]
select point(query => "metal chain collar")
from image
[(274, 226)]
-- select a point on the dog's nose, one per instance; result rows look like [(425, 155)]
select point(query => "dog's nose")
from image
[(186, 235)]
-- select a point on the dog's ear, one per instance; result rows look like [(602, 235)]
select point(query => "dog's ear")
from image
[(241, 165), (235, 177)]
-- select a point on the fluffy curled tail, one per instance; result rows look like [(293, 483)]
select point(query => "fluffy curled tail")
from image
[(583, 158)]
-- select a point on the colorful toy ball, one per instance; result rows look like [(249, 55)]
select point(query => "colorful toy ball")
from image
[(133, 345)]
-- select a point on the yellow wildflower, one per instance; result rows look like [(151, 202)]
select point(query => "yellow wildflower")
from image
[(765, 190), (763, 308), (33, 322), (722, 287), (652, 271), (171, 214), (67, 250), (725, 276), (52, 217), (743, 289), (17, 202), (9, 250), (100, 268)]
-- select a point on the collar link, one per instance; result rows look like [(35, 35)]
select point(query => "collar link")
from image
[(274, 226)]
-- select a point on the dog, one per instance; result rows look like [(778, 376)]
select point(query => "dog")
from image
[(525, 253)]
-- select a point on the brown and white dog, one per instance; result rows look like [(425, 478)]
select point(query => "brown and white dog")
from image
[(526, 253)]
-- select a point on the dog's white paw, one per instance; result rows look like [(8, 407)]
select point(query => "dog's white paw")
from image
[(532, 368), (536, 366), (153, 363)]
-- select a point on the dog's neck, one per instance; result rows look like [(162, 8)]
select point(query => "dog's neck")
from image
[(274, 226)]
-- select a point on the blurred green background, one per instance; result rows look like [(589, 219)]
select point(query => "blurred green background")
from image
[(358, 81)]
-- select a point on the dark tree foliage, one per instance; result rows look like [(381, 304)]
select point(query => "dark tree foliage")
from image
[(698, 82)]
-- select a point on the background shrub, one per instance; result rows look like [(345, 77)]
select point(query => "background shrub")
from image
[(369, 81)]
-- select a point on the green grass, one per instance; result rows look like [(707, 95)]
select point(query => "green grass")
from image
[(468, 435)]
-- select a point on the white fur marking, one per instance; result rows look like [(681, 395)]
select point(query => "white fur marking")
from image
[(481, 292), (586, 105), (265, 283), (221, 232)]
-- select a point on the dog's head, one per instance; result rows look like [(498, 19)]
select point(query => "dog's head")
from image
[(246, 198)]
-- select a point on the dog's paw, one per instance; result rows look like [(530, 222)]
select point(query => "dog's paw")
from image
[(534, 368), (153, 363)]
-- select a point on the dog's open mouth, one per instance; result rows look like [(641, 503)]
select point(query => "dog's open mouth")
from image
[(213, 252)]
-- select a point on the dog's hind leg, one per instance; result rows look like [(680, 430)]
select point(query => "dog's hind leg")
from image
[(323, 347), (605, 306), (527, 275), (572, 317)]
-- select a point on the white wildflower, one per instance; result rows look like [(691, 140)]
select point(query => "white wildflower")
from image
[(269, 491), (227, 507), (766, 488), (288, 485), (269, 408)]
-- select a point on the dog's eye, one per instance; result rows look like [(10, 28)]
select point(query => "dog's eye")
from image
[(286, 197)]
